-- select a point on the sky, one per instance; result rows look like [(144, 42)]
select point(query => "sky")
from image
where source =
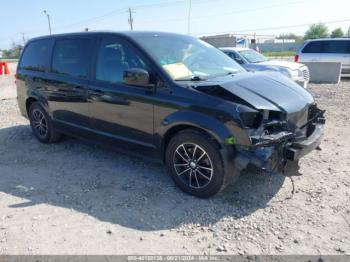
[(207, 17)]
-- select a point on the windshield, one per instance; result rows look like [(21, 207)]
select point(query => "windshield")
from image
[(252, 56), (188, 58)]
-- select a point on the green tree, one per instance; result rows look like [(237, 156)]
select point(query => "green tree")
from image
[(290, 36), (13, 52), (338, 32), (316, 31)]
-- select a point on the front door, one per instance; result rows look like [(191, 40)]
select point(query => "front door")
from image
[(118, 110)]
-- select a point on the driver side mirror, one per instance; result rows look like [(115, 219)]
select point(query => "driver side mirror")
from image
[(137, 77)]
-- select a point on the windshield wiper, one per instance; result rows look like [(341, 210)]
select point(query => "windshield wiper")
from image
[(225, 74), (191, 78)]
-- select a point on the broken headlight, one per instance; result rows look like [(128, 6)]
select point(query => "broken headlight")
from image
[(250, 117)]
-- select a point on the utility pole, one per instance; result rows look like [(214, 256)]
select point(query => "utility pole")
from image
[(48, 19), (23, 38), (189, 17), (130, 20)]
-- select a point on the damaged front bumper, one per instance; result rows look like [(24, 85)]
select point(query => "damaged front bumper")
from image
[(296, 150), (272, 151)]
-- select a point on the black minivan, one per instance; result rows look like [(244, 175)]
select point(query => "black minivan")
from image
[(175, 95)]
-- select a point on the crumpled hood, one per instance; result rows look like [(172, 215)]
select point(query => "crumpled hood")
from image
[(286, 64), (266, 91)]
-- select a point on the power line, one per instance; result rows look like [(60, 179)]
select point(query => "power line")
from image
[(170, 3), (274, 28), (109, 14), (223, 14), (249, 10), (119, 11), (97, 18)]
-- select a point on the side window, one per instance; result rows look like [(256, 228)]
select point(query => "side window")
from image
[(231, 54), (72, 57), (228, 53), (234, 56), (313, 47), (337, 47), (237, 58), (36, 56), (114, 57)]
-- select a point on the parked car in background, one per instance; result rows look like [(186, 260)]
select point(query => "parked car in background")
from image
[(326, 50), (205, 116), (254, 61)]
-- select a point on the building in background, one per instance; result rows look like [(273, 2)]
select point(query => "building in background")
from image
[(265, 43), (225, 40), (237, 40)]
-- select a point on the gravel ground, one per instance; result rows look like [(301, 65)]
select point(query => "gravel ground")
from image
[(74, 198)]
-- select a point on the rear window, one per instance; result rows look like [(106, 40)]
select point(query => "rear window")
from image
[(313, 47), (36, 55), (336, 47), (72, 57), (328, 47)]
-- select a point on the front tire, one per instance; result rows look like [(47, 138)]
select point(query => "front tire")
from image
[(194, 162), (41, 124)]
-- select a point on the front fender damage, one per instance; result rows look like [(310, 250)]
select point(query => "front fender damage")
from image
[(275, 143)]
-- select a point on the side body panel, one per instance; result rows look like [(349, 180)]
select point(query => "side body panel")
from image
[(112, 114)]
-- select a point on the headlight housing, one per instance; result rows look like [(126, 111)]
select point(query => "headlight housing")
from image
[(286, 72), (249, 117)]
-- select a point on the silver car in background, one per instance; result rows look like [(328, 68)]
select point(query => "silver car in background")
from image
[(326, 50), (254, 61)]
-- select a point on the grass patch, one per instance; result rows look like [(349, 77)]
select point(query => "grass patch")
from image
[(9, 60), (280, 54)]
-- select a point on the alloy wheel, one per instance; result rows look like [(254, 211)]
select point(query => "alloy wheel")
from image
[(193, 165), (39, 123)]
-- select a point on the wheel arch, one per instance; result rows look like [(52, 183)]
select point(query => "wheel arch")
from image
[(35, 97), (191, 120), (29, 102)]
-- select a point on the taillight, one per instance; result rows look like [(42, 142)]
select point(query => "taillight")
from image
[(296, 58)]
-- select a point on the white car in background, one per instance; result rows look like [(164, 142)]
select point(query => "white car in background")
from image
[(326, 50), (254, 61)]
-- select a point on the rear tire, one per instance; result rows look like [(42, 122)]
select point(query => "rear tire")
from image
[(194, 162), (42, 125)]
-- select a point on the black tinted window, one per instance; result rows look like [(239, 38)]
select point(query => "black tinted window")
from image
[(337, 47), (113, 58), (71, 57), (235, 56), (313, 47), (36, 56)]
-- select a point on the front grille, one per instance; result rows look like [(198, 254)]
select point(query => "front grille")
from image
[(306, 74)]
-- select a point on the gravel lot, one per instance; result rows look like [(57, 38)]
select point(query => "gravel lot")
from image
[(75, 198)]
